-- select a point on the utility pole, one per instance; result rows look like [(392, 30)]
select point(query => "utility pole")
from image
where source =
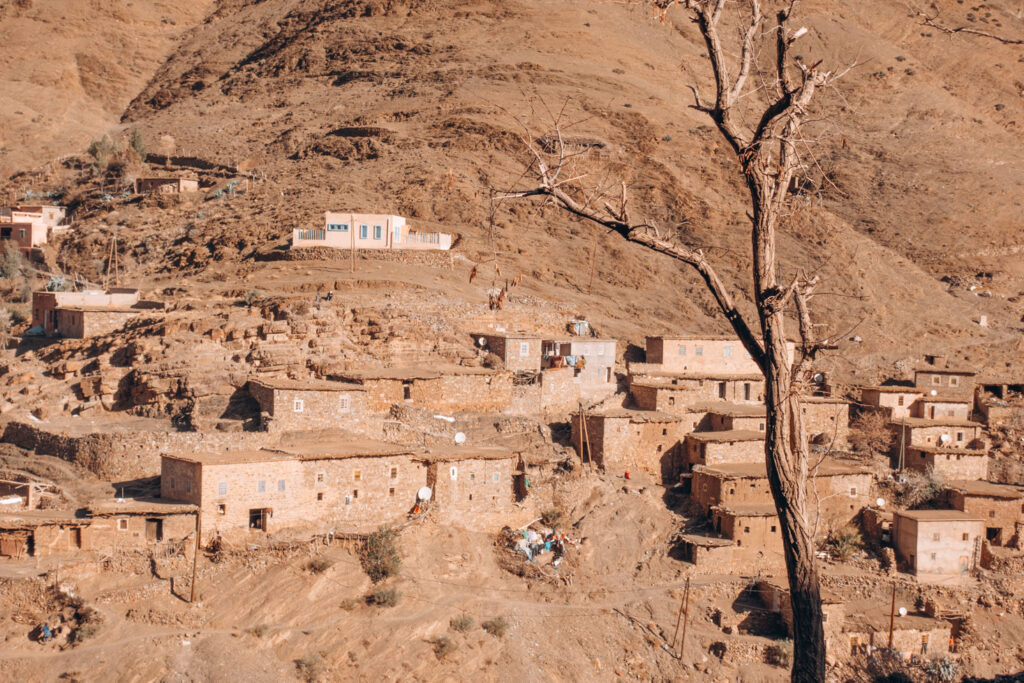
[(684, 611), (903, 434), (892, 614), (195, 556)]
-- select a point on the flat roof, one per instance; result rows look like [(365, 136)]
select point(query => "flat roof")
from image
[(943, 371), (758, 470), (139, 506), (709, 374), (433, 371), (916, 422), (893, 389), (727, 435), (872, 616), (507, 335), (938, 515), (286, 383), (939, 450), (695, 337), (300, 446), (637, 415), (748, 509), (30, 519), (928, 398), (823, 399), (732, 409), (705, 541), (985, 489), (457, 453), (102, 309)]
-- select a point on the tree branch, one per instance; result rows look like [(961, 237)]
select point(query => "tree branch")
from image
[(930, 21)]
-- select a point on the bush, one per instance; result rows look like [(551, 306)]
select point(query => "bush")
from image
[(259, 630), (11, 262), (919, 488), (318, 565), (311, 667), (443, 646), (843, 543), (102, 152), (384, 597), (497, 627), (779, 654), (137, 143), (552, 517), (870, 434), (251, 297), (945, 670), (379, 555), (462, 623)]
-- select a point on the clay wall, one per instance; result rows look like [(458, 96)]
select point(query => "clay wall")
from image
[(1001, 515), (937, 548), (290, 410), (476, 493), (954, 465), (698, 452), (826, 422)]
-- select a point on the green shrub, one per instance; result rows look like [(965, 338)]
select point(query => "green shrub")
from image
[(137, 143), (844, 543), (384, 597), (497, 627), (84, 632), (443, 646), (779, 654), (102, 152), (462, 623), (379, 555)]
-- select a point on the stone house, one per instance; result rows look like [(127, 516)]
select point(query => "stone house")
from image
[(839, 490), (161, 185), (866, 628), (941, 433), (999, 399), (703, 355), (444, 388), (29, 227), (1000, 505), (723, 417), (950, 463), (754, 530), (896, 400), (639, 440), (519, 352), (592, 361), (126, 524), (937, 544), (945, 380), (942, 407), (357, 231), (477, 487), (674, 392), (826, 420), (722, 448), (37, 533), (320, 481), (288, 405), (78, 315), (774, 594)]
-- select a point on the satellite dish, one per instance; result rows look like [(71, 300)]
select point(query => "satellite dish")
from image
[(933, 392), (819, 377), (424, 493), (945, 438), (481, 342), (460, 438), (903, 611), (880, 502)]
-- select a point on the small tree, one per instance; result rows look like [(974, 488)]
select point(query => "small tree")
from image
[(380, 557), (137, 144), (5, 327), (102, 152), (843, 543), (870, 433), (11, 263)]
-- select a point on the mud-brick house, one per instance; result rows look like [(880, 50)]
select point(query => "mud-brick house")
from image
[(826, 420), (775, 596), (942, 407), (317, 481), (944, 380), (941, 433), (838, 490), (126, 524), (866, 628), (29, 227), (1001, 507), (592, 361), (999, 399), (937, 544), (619, 440), (702, 355), (480, 488), (166, 185), (897, 401), (40, 532), (754, 530), (672, 392), (357, 231), (722, 448), (723, 417), (949, 463), (453, 388), (288, 405), (78, 315), (518, 351)]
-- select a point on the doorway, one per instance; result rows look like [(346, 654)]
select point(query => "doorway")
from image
[(154, 530), (258, 518)]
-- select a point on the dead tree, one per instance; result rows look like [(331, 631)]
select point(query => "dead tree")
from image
[(768, 147)]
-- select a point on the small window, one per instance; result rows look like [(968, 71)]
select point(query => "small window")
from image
[(222, 509), (320, 477), (967, 537), (453, 472), (853, 491), (773, 528), (122, 525), (320, 496), (495, 477), (682, 350), (727, 351), (524, 348), (357, 475), (991, 513), (664, 432), (899, 400), (954, 381), (378, 232), (959, 436), (280, 484), (933, 556), (391, 493), (746, 529), (364, 231), (394, 473), (472, 477), (760, 426), (298, 405), (699, 351), (343, 403), (355, 494), (935, 536), (222, 488), (659, 448), (261, 487), (671, 400), (936, 380)]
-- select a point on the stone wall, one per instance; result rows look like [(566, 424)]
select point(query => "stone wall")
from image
[(826, 422), (618, 444), (757, 538), (78, 324), (699, 452), (1001, 515), (291, 410), (477, 493), (126, 532), (950, 465), (936, 548), (959, 436)]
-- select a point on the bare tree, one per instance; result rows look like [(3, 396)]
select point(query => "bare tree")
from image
[(760, 113)]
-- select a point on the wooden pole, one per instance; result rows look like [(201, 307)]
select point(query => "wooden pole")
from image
[(903, 434), (195, 556), (892, 614), (684, 610), (593, 253), (586, 434)]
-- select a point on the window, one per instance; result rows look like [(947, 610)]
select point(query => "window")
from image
[(378, 232), (682, 350), (343, 403), (472, 477), (364, 231), (746, 391), (773, 528), (936, 380), (659, 448), (222, 509), (671, 400), (280, 484), (320, 477), (391, 493), (991, 513), (954, 381), (935, 536), (746, 529), (407, 391), (394, 473), (122, 525), (22, 232), (959, 436), (320, 496), (699, 351), (222, 488), (966, 537), (664, 432), (298, 405), (933, 556), (261, 487), (355, 494), (397, 235), (495, 477), (524, 348), (899, 400), (453, 472), (727, 350), (357, 475), (337, 227), (853, 490), (760, 426)]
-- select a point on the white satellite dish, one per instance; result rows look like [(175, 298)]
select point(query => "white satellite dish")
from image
[(903, 611), (481, 342), (460, 438), (424, 493), (933, 392), (945, 438), (880, 502), (819, 377)]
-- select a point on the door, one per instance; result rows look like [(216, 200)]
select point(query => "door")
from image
[(963, 564), (721, 390), (154, 530), (258, 518), (76, 537)]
